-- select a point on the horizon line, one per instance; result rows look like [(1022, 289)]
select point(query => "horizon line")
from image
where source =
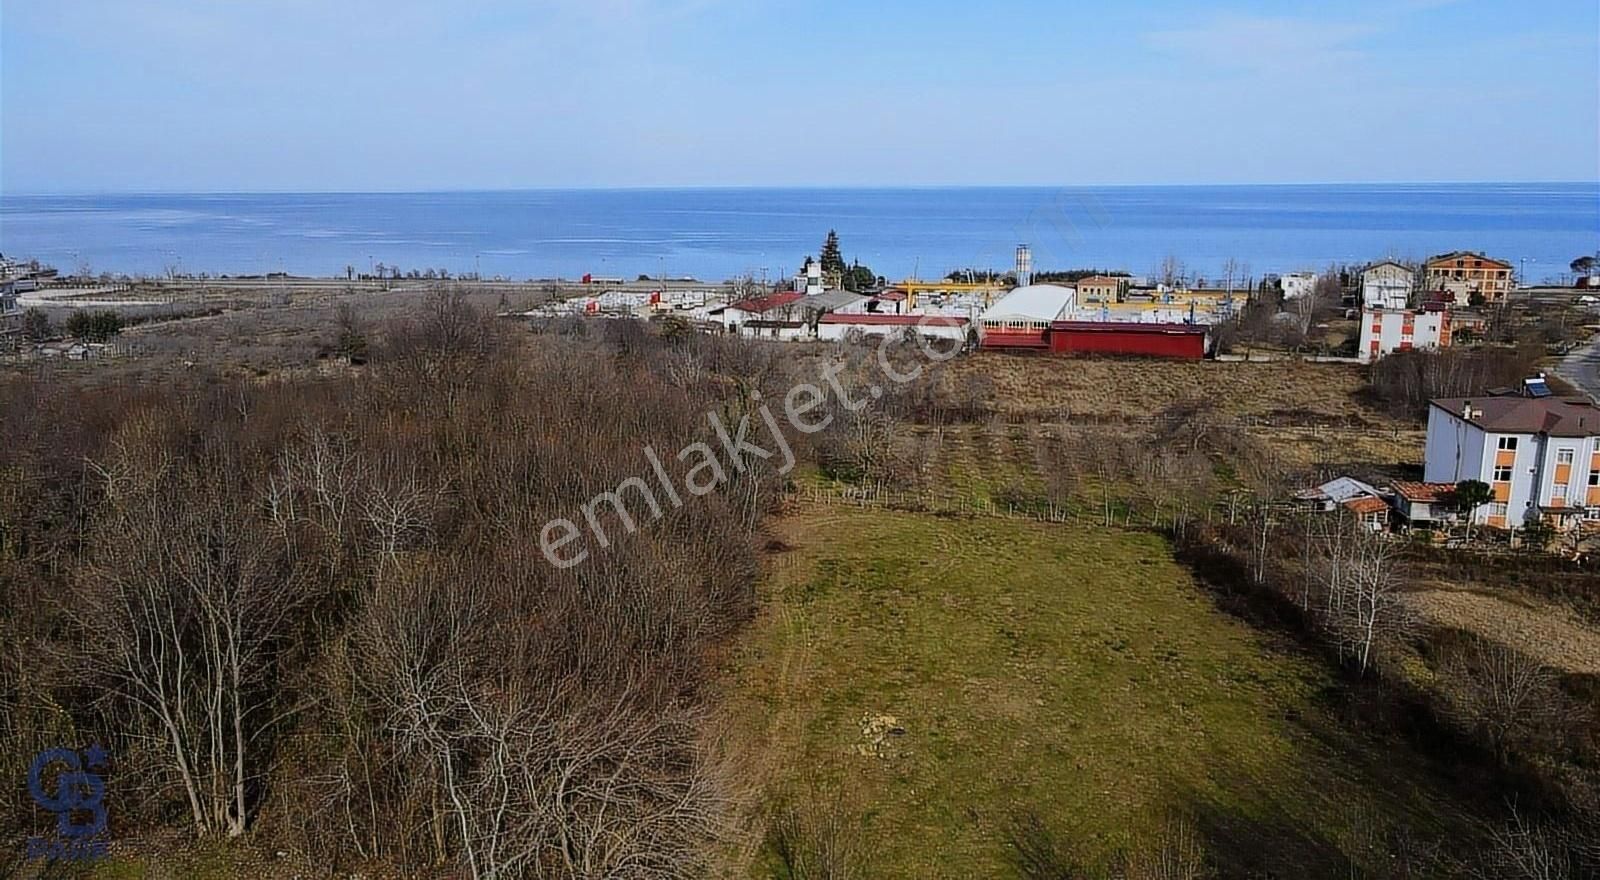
[(72, 193)]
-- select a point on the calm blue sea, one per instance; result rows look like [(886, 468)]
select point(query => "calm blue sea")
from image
[(721, 233)]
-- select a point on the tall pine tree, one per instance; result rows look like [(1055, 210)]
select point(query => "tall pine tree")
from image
[(832, 259)]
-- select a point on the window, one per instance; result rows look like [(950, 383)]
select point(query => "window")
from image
[(1594, 478), (1592, 514), (1502, 473), (1498, 509), (1559, 493), (1508, 444), (1563, 456)]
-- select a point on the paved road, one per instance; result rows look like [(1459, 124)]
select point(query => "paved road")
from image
[(78, 298), (1581, 367)]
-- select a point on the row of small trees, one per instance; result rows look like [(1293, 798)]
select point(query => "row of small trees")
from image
[(89, 326)]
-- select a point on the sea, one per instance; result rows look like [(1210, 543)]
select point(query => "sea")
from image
[(721, 233)]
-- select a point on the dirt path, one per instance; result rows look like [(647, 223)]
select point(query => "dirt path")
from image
[(1541, 630)]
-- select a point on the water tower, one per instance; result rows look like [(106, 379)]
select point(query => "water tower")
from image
[(1024, 265)]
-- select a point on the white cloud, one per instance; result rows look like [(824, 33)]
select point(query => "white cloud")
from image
[(1266, 44)]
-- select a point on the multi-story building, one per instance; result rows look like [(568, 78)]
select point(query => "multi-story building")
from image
[(1297, 284), (1387, 285), (1103, 288), (1539, 455), (1466, 274), (1385, 331), (10, 315)]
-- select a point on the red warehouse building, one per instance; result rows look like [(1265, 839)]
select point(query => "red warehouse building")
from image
[(1123, 338)]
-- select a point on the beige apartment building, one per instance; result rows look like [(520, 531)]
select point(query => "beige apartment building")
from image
[(1465, 273)]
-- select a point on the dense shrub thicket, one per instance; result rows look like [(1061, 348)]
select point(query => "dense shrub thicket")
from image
[(1402, 383), (317, 610)]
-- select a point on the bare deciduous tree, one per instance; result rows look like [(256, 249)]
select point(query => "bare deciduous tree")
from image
[(1360, 578), (182, 608), (1504, 694)]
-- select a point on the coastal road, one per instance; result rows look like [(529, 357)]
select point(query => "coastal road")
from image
[(1581, 367)]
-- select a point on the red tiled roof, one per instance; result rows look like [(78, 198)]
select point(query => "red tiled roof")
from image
[(1364, 506), (1424, 493), (894, 320), (765, 303)]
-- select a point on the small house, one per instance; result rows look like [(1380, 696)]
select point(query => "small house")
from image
[(1328, 496), (1425, 505), (1371, 513)]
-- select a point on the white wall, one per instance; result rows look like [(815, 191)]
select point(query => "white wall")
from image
[(1386, 293), (1527, 472), (1578, 479), (1426, 332), (838, 332), (784, 334), (1297, 284), (1454, 449)]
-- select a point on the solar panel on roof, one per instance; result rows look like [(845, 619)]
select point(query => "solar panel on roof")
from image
[(1537, 388)]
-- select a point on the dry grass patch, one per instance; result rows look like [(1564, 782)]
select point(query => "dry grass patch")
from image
[(1118, 388)]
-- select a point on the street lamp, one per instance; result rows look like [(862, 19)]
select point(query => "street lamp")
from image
[(1522, 271)]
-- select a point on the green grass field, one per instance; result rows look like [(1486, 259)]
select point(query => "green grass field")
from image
[(1075, 673)]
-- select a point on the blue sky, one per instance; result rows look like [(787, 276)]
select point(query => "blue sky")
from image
[(400, 95)]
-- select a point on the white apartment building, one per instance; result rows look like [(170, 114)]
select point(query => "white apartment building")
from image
[(1297, 284), (1387, 285), (1385, 331), (809, 279), (1539, 455)]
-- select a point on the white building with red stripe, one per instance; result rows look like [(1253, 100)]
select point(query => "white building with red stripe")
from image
[(1385, 331)]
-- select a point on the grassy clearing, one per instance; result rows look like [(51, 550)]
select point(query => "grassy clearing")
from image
[(1077, 673)]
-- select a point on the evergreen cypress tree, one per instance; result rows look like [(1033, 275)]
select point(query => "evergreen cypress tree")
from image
[(832, 259)]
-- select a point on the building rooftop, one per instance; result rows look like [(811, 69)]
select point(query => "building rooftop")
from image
[(1366, 504), (831, 300), (766, 303), (1423, 493), (1149, 327), (1557, 417), (1338, 489), (1462, 255), (1036, 302)]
